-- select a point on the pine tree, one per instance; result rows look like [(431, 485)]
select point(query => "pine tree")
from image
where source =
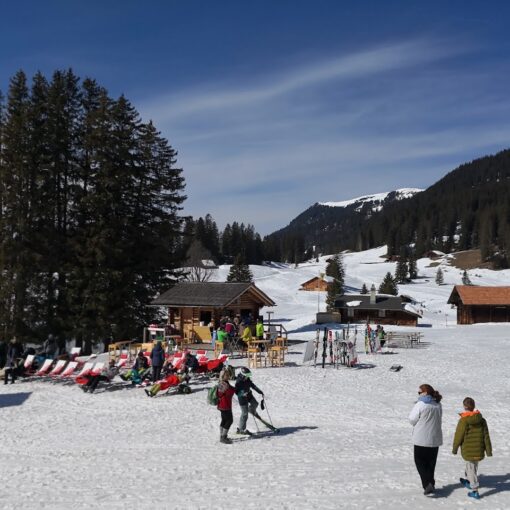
[(465, 278), (439, 276), (335, 270), (240, 271), (412, 266), (364, 289), (401, 270), (388, 285)]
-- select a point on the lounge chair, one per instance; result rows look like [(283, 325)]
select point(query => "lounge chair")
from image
[(59, 367), (45, 368), (68, 372)]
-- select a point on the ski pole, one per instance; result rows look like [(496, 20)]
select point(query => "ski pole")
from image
[(268, 415)]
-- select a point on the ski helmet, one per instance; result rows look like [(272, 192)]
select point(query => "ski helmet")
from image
[(246, 372)]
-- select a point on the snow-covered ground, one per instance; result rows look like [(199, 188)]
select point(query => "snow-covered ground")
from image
[(345, 441)]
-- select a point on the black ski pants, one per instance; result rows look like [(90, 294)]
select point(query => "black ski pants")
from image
[(156, 373), (227, 418), (425, 459), (12, 373)]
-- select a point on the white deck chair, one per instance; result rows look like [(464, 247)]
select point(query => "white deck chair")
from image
[(29, 361), (98, 368), (68, 372), (85, 369), (45, 367), (58, 367)]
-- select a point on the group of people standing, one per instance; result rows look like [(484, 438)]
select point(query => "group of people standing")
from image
[(471, 436)]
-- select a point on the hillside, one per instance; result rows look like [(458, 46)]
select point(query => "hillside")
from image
[(328, 225), (468, 208)]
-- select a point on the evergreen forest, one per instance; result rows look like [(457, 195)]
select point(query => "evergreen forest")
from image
[(90, 200)]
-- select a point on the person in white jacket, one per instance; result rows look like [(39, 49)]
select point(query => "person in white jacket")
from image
[(426, 417)]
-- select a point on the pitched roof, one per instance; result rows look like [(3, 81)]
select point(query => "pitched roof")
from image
[(325, 278), (474, 295), (210, 294), (383, 302)]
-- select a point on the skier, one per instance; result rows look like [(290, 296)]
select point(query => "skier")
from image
[(259, 329), (472, 436), (247, 402), (225, 394), (426, 418)]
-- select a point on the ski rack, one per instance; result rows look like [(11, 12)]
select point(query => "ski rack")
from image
[(337, 345)]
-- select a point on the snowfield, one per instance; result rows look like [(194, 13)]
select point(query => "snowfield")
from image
[(345, 441)]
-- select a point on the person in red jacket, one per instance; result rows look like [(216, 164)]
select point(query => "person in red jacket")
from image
[(225, 394)]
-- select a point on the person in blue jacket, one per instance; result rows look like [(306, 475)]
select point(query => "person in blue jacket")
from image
[(157, 360)]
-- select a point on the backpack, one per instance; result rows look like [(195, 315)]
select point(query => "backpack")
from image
[(212, 396)]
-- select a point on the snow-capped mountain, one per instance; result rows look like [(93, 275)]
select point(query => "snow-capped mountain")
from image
[(325, 224), (377, 200)]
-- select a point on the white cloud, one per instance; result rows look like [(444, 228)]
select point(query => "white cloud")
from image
[(392, 116)]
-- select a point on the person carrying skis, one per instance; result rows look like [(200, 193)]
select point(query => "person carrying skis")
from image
[(472, 436), (247, 402), (225, 394)]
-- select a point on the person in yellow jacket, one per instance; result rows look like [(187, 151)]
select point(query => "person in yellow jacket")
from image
[(472, 436), (259, 329)]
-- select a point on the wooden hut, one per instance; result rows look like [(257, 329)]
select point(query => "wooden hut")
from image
[(377, 309), (481, 304), (193, 305), (317, 284)]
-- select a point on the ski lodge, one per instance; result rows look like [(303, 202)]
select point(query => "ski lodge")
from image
[(193, 305), (481, 304), (377, 309), (317, 284)]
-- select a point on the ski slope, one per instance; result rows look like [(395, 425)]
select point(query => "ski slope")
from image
[(345, 441)]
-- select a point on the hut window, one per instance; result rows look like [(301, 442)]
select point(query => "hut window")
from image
[(350, 312), (382, 313)]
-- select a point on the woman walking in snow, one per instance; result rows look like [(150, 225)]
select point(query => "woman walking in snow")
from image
[(426, 417)]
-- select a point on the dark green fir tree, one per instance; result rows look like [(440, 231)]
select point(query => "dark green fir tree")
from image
[(240, 271)]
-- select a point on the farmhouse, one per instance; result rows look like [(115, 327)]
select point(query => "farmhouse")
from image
[(193, 305), (481, 304), (317, 284), (377, 309)]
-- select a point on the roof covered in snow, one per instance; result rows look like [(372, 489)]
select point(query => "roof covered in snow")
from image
[(383, 302)]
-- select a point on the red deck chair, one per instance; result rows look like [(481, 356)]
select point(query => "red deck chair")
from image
[(59, 367), (68, 372), (45, 367), (91, 369)]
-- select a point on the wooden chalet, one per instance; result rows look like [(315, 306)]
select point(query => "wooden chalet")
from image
[(317, 284), (377, 309), (481, 304), (193, 305)]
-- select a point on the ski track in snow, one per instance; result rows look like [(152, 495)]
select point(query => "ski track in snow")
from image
[(345, 441)]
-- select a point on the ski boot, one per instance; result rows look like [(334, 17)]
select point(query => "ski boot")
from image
[(465, 483), (474, 495), (244, 432)]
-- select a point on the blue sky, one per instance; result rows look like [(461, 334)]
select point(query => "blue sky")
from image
[(275, 105)]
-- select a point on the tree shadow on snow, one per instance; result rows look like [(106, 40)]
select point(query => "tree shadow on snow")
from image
[(13, 399), (495, 484)]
